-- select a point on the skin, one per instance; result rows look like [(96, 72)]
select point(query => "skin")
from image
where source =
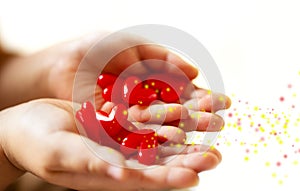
[(48, 128)]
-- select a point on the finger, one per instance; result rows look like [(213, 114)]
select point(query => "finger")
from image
[(128, 59), (204, 100), (196, 161), (167, 177), (155, 177), (166, 61), (200, 121), (174, 64), (158, 113), (188, 149), (173, 134)]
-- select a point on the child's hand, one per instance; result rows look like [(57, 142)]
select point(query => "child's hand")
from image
[(41, 137)]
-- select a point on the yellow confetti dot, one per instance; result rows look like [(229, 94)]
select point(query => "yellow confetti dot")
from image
[(221, 98), (256, 108), (261, 129), (179, 131), (130, 128), (246, 158), (146, 86), (208, 92), (158, 116), (295, 162), (274, 175), (204, 154), (181, 124), (299, 73), (267, 164), (171, 109), (110, 150), (228, 143), (125, 112), (152, 83), (168, 89)]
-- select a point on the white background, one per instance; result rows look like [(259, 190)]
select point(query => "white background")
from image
[(256, 45)]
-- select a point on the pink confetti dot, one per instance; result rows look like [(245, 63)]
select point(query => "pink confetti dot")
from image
[(230, 115), (285, 156), (289, 85), (281, 98), (278, 164)]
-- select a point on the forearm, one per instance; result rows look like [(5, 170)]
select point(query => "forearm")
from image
[(21, 79)]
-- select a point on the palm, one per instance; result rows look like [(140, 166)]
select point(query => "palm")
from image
[(62, 156)]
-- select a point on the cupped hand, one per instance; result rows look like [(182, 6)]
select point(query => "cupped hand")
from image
[(44, 140), (85, 58)]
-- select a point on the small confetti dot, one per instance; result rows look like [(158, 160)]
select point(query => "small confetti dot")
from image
[(281, 98)]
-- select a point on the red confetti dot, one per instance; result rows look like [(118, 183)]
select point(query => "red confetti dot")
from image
[(230, 115), (285, 156), (278, 164), (281, 98)]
